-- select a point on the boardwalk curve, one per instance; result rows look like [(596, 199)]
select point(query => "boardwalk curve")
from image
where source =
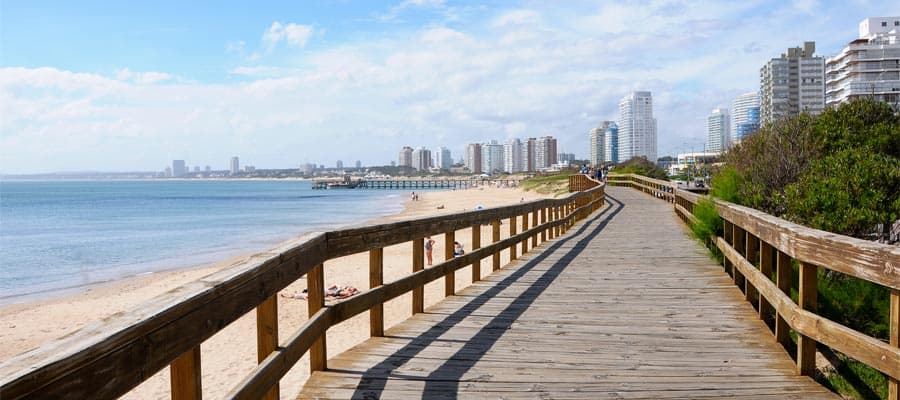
[(625, 305)]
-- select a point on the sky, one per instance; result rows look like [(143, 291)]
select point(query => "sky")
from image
[(131, 86)]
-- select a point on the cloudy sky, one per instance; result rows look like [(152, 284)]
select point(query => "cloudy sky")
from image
[(125, 86)]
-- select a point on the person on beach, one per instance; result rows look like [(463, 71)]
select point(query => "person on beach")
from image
[(458, 249), (429, 248)]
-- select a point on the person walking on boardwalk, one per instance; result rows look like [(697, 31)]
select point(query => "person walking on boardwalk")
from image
[(429, 247)]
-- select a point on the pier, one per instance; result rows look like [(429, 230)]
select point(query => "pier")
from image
[(346, 183)]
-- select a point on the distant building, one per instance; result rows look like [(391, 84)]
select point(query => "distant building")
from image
[(717, 126), (610, 142), (307, 168), (741, 107), (749, 126), (491, 157), (339, 164), (358, 164), (443, 159), (565, 158), (544, 152), (178, 168), (529, 149), (597, 139), (235, 166), (249, 169), (473, 157), (421, 159), (792, 83), (405, 157), (637, 127), (512, 156), (868, 66)]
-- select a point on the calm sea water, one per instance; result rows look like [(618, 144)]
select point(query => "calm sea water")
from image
[(63, 234)]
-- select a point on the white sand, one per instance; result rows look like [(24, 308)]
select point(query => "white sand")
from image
[(231, 354)]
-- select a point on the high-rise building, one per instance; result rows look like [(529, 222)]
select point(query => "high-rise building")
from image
[(529, 149), (339, 164), (610, 142), (637, 127), (421, 159), (544, 152), (748, 127), (178, 168), (597, 137), (443, 159), (717, 126), (602, 148), (234, 166), (358, 164), (792, 83), (491, 157), (405, 157), (512, 156), (868, 66), (741, 107), (473, 157)]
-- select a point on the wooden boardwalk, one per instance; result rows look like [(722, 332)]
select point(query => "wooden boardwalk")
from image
[(624, 306)]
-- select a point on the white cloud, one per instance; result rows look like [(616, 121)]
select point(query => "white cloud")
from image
[(142, 78), (293, 34)]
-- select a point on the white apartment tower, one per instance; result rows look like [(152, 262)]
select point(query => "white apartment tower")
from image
[(598, 138), (610, 142), (235, 165), (792, 83), (717, 127), (512, 156), (742, 112), (637, 127), (868, 66), (421, 159), (405, 157), (544, 152), (491, 157), (443, 160)]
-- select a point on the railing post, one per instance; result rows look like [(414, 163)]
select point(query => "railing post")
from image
[(495, 235), (524, 229), (727, 232), (806, 347), (766, 261), (376, 279), (544, 218), (739, 241), (551, 214), (752, 255), (184, 374), (418, 264), (315, 284), (267, 335), (534, 223), (512, 232), (894, 333), (450, 278), (783, 271), (476, 244)]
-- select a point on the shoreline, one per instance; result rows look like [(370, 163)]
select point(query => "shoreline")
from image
[(27, 325)]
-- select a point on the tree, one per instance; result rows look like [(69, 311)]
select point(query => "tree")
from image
[(641, 166)]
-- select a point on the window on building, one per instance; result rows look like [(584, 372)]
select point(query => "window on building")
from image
[(884, 23)]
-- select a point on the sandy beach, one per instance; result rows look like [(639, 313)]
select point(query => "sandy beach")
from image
[(231, 354)]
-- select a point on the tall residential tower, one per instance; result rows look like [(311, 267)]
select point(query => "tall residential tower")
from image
[(637, 127), (792, 83), (868, 66), (744, 110), (717, 127)]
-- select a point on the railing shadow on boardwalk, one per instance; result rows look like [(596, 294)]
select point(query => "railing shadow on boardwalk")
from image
[(376, 376)]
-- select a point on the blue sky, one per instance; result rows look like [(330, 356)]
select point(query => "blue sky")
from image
[(132, 85)]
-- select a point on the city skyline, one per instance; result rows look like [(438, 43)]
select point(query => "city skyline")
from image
[(101, 87)]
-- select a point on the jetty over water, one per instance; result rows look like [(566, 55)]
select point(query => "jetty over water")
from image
[(599, 294), (442, 183)]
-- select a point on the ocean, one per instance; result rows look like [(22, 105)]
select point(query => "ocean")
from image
[(58, 236)]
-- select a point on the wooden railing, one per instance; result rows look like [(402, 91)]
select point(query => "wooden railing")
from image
[(654, 187), (759, 252), (109, 360)]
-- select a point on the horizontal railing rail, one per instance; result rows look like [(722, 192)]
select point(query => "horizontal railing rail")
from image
[(757, 247), (111, 357)]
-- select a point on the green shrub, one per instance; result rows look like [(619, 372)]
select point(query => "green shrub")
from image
[(709, 224), (726, 184)]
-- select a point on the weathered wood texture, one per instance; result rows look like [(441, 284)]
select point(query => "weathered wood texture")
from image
[(598, 313)]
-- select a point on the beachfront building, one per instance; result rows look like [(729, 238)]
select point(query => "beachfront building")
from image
[(792, 83), (743, 108), (529, 150), (491, 157), (235, 166), (339, 164), (443, 160), (421, 159), (868, 66), (717, 130), (597, 137), (473, 158), (610, 142), (749, 126), (178, 168), (405, 157), (637, 127), (544, 152), (512, 156)]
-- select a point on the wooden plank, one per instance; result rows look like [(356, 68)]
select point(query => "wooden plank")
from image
[(315, 281), (534, 222), (784, 270), (376, 279), (512, 232), (766, 267), (495, 236), (185, 376), (752, 255), (524, 228), (544, 218), (418, 264), (808, 297), (476, 244), (267, 336), (450, 278), (894, 382)]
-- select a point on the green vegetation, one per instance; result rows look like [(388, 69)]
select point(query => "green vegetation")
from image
[(838, 172), (641, 166), (854, 379), (548, 184)]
